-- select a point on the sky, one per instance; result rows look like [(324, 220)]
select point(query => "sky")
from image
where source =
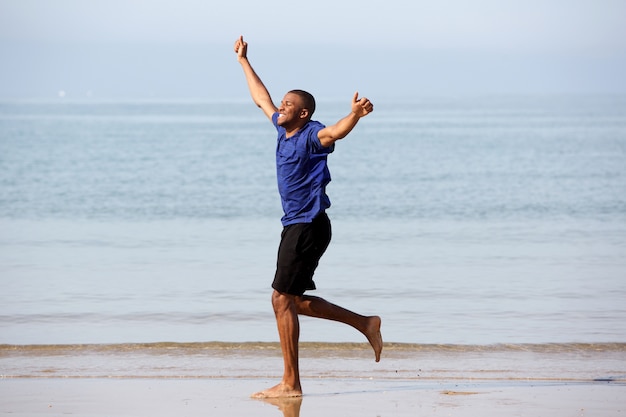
[(183, 48)]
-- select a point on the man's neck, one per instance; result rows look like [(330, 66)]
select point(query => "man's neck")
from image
[(292, 131)]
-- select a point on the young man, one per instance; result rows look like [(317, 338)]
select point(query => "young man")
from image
[(303, 145)]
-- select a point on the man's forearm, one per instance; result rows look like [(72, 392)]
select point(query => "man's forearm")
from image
[(345, 126), (339, 130), (258, 91)]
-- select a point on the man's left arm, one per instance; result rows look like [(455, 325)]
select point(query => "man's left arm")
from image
[(361, 107)]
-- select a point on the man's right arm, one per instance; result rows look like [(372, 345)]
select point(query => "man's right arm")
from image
[(259, 93)]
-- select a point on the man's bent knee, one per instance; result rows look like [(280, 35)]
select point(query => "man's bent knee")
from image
[(282, 301)]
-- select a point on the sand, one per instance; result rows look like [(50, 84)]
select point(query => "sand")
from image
[(324, 397), (338, 380)]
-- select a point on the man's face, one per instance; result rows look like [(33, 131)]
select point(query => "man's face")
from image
[(290, 111)]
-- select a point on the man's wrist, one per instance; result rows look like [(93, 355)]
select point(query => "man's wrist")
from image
[(357, 115)]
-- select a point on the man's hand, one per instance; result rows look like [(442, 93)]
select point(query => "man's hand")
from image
[(361, 106), (241, 48)]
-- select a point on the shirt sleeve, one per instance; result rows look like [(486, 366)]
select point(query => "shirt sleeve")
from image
[(314, 140), (275, 120)]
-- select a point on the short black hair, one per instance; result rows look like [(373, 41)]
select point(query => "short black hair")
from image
[(307, 99)]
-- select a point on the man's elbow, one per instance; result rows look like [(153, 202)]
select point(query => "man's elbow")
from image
[(329, 140)]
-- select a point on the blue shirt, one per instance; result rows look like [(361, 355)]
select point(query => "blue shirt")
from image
[(302, 173)]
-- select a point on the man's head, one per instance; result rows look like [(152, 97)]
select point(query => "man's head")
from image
[(308, 101), (296, 109)]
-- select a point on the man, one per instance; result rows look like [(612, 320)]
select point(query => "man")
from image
[(303, 145)]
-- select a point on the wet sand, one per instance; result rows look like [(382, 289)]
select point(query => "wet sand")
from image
[(324, 397), (339, 380)]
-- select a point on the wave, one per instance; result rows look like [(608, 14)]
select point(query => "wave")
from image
[(585, 362), (169, 347)]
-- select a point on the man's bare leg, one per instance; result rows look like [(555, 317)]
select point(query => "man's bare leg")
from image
[(286, 309), (289, 332), (368, 325)]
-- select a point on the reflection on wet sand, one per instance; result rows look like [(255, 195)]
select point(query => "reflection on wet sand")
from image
[(290, 406)]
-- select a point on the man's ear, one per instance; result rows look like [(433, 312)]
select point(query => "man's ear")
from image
[(304, 113)]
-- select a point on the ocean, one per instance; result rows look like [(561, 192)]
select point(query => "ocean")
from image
[(461, 221)]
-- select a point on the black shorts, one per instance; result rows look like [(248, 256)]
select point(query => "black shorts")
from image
[(301, 247)]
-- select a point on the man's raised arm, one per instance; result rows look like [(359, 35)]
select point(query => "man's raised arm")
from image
[(361, 107), (259, 93)]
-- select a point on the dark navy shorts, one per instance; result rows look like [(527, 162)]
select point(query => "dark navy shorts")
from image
[(301, 247)]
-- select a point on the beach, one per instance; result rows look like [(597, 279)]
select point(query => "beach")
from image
[(138, 243), (338, 380), (326, 397)]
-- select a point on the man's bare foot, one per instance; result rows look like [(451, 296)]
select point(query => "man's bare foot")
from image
[(373, 335), (281, 390)]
